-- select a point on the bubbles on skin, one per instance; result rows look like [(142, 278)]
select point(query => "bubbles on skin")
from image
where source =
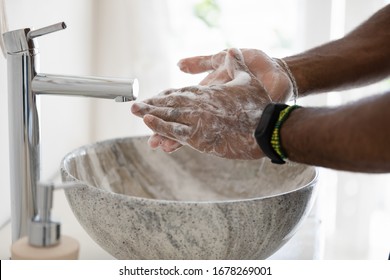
[(266, 70), (242, 78), (244, 121), (217, 119)]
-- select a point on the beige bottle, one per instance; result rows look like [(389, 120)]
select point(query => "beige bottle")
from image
[(44, 241), (66, 249)]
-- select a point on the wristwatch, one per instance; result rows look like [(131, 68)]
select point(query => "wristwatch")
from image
[(265, 128)]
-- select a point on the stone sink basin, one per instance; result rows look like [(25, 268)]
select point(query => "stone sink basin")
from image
[(139, 203)]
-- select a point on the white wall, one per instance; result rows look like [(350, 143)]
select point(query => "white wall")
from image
[(361, 225), (131, 40), (4, 169)]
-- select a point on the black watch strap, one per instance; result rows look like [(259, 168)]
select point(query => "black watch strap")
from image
[(265, 128)]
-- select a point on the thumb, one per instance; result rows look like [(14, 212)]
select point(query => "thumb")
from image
[(236, 66)]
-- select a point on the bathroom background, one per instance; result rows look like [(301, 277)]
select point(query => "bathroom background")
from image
[(145, 39)]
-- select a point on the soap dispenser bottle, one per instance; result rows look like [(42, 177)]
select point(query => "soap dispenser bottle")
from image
[(44, 240)]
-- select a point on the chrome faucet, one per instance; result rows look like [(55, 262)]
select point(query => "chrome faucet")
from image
[(25, 82)]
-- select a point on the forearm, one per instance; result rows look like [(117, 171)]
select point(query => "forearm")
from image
[(359, 58), (353, 137)]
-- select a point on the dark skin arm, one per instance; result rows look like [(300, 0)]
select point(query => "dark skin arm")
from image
[(353, 137), (361, 57)]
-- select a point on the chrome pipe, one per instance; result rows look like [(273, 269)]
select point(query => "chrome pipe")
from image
[(23, 127), (97, 87)]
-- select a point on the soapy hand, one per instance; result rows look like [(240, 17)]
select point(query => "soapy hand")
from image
[(217, 119), (266, 69)]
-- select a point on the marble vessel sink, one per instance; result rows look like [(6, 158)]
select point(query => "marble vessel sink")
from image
[(139, 203)]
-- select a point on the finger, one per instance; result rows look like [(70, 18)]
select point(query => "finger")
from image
[(238, 71), (180, 115), (164, 101), (218, 59), (174, 131), (138, 108), (167, 92), (157, 98), (154, 140), (141, 109), (235, 63), (200, 64), (217, 77), (169, 145), (182, 97), (166, 144), (195, 65)]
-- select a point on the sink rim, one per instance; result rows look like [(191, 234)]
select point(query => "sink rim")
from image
[(82, 150)]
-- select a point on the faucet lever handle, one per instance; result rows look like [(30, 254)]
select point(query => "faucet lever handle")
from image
[(46, 30)]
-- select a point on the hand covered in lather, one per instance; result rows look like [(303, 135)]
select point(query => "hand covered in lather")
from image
[(267, 70), (216, 119)]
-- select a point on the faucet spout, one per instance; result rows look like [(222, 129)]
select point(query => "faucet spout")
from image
[(121, 90)]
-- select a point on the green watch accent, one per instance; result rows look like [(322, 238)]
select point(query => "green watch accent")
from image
[(275, 138)]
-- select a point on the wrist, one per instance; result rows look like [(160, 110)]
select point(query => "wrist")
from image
[(295, 90), (297, 65)]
